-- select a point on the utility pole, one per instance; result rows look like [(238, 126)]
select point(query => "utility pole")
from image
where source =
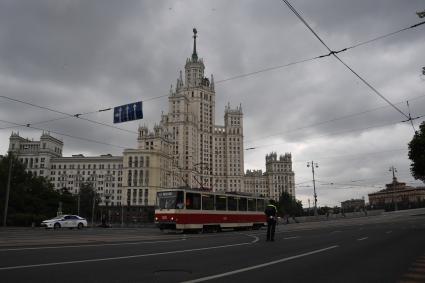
[(393, 169), (94, 191), (78, 204), (92, 209), (308, 207), (421, 15), (6, 201), (314, 184)]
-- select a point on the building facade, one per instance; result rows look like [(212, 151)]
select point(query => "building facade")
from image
[(397, 193), (353, 205), (186, 148)]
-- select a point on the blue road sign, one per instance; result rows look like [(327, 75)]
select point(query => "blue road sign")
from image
[(128, 112)]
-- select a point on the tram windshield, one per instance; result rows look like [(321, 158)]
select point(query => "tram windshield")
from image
[(170, 200)]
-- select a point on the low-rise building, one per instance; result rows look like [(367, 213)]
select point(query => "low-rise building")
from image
[(397, 193), (353, 205)]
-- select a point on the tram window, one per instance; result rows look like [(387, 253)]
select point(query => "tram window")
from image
[(251, 204), (207, 202), (193, 201), (180, 200), (232, 203), (220, 203), (260, 205), (242, 204), (166, 200)]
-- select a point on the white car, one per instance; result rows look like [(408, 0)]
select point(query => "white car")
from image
[(65, 221)]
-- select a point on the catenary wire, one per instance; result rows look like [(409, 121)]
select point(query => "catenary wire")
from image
[(339, 59), (337, 133), (64, 134), (66, 114), (330, 120), (78, 115)]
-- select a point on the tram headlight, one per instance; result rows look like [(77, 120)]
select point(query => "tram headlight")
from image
[(156, 218), (172, 218)]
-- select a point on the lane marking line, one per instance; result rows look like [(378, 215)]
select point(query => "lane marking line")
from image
[(361, 239), (89, 245), (258, 266), (337, 231), (388, 232), (289, 238), (122, 257)]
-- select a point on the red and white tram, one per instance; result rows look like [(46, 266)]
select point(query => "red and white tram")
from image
[(190, 209)]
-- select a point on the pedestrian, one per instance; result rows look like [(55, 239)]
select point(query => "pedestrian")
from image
[(271, 213)]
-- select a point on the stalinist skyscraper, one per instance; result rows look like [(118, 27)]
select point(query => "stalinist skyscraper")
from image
[(185, 148), (204, 154)]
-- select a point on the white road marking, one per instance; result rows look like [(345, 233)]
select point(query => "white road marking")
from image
[(288, 238), (361, 239), (124, 257), (258, 266), (388, 232), (337, 231), (89, 245)]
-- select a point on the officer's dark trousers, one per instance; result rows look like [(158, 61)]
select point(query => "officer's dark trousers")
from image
[(271, 226)]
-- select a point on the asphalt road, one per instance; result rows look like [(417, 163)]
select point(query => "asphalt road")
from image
[(386, 248)]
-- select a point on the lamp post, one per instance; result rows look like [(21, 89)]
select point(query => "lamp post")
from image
[(94, 182), (108, 181), (313, 165), (107, 200), (393, 169), (64, 180), (6, 201), (78, 183), (308, 207)]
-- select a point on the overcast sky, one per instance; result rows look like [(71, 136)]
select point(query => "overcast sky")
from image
[(81, 56)]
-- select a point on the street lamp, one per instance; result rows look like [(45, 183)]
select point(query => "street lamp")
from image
[(393, 169), (107, 200), (78, 183), (6, 201), (312, 164), (94, 182)]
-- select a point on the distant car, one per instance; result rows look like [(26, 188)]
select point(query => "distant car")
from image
[(65, 221)]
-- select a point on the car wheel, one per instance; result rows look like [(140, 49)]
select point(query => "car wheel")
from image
[(56, 226), (80, 225)]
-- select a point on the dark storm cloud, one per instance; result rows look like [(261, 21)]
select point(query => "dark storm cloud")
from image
[(78, 56)]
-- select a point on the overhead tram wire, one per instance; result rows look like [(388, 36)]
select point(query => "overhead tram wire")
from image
[(331, 120), (334, 53), (320, 56), (78, 116), (63, 134), (352, 156), (338, 132), (285, 65)]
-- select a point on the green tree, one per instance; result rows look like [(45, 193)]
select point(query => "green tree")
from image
[(417, 154), (287, 205), (31, 198), (88, 195)]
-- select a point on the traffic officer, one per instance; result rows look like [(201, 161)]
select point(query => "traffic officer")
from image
[(271, 213)]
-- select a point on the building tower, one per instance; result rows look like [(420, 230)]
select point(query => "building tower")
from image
[(280, 175), (190, 122)]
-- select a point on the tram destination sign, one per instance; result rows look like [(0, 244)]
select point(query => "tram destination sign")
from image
[(128, 112)]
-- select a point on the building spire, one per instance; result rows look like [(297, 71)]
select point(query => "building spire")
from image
[(194, 54)]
